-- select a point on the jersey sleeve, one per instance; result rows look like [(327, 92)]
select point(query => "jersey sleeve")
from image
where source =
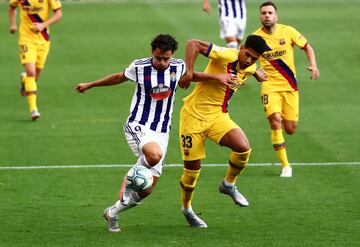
[(14, 3), (55, 4), (252, 69), (130, 72), (184, 68), (216, 52), (297, 38)]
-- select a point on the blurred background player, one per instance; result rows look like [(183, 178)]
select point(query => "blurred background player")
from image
[(205, 115), (34, 42), (232, 20), (148, 126), (279, 93)]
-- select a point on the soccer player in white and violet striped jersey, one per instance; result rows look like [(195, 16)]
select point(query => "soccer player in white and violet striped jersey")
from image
[(232, 20), (148, 125)]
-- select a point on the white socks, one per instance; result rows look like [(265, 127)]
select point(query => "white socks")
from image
[(233, 44), (130, 199), (228, 184)]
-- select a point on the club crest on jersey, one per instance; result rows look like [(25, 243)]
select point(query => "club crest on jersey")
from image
[(173, 77), (282, 41), (160, 92)]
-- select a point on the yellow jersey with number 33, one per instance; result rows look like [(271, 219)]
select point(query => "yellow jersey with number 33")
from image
[(278, 59), (211, 97), (32, 11)]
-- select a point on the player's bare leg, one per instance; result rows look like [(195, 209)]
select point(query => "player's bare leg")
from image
[(289, 126)]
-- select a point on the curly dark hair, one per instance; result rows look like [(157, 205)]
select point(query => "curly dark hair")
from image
[(256, 43), (164, 42)]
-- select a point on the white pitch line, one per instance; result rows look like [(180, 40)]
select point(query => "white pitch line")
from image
[(170, 165)]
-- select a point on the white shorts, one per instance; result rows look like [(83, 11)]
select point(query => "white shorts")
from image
[(230, 27), (137, 135)]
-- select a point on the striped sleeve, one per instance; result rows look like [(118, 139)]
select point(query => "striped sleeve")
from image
[(130, 72)]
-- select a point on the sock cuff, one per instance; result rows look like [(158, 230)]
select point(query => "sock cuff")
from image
[(30, 84), (277, 137), (233, 44)]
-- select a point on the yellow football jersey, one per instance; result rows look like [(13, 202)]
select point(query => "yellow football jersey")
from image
[(278, 60), (32, 11), (211, 97)]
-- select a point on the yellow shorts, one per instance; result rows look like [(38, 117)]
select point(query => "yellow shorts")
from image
[(194, 131), (34, 53), (286, 103)]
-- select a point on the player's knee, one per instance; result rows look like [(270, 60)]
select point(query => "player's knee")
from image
[(275, 121), (240, 159), (31, 72), (290, 131), (189, 178), (290, 128), (154, 157)]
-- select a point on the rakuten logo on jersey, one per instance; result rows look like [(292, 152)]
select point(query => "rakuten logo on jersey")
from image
[(160, 92), (270, 55)]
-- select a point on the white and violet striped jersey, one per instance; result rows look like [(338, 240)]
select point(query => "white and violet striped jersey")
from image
[(153, 100), (232, 8)]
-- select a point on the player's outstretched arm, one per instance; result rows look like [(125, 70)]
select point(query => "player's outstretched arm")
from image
[(12, 19), (315, 73), (109, 80), (206, 6)]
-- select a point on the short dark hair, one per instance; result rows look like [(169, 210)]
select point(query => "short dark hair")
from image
[(269, 3), (256, 43), (164, 42)]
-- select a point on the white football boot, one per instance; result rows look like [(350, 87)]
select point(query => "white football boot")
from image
[(233, 192), (112, 221), (286, 172), (35, 115), (193, 219)]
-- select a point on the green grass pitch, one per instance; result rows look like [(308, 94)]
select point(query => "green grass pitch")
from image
[(319, 206)]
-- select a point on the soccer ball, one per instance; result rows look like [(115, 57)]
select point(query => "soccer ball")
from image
[(139, 178)]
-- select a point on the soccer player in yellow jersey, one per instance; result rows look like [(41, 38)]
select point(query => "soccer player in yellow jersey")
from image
[(205, 115), (279, 93), (34, 42)]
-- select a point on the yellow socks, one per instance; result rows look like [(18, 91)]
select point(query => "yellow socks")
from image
[(30, 88), (278, 142), (32, 102), (188, 182), (237, 164)]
